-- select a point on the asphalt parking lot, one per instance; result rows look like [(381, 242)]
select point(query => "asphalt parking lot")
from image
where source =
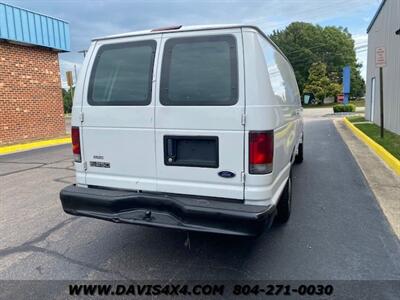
[(337, 230)]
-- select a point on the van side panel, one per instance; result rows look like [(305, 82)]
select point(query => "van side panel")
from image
[(271, 105)]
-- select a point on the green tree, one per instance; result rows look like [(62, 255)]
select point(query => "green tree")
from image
[(334, 89), (357, 88), (67, 101), (305, 44), (320, 84)]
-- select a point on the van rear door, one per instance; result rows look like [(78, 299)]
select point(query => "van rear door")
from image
[(199, 114), (118, 114)]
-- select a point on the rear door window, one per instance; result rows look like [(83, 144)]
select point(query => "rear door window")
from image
[(122, 74), (200, 71)]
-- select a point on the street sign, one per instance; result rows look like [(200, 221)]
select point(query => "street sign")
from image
[(70, 81), (380, 57), (380, 62)]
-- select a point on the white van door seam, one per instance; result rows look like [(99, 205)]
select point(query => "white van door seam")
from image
[(244, 116), (84, 94), (156, 91)]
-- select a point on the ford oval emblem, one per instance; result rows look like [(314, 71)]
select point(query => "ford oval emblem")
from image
[(226, 174)]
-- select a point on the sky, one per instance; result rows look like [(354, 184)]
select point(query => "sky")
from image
[(94, 18)]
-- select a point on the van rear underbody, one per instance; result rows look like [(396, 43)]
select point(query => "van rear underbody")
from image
[(185, 212)]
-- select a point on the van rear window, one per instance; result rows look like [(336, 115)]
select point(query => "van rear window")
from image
[(200, 71), (122, 74)]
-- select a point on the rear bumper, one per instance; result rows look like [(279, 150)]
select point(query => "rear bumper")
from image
[(167, 210)]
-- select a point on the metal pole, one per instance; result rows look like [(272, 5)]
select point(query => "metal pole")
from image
[(76, 74), (381, 100)]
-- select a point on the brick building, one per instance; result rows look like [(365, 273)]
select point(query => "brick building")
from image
[(30, 88)]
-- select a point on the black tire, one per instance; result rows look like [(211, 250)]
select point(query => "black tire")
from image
[(299, 157), (284, 206)]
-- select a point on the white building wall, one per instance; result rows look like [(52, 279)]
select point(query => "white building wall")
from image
[(382, 34)]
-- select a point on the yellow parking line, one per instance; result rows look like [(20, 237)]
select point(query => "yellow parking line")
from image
[(391, 161), (34, 145)]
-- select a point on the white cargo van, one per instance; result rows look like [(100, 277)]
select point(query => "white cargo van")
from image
[(194, 128)]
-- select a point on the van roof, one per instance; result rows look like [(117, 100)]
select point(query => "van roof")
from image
[(179, 29), (173, 29)]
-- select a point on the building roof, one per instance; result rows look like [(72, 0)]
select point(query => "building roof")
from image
[(31, 28), (376, 15)]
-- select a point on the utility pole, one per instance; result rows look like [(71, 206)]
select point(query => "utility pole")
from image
[(83, 52), (76, 74)]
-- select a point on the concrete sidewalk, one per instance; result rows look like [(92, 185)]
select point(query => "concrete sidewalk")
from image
[(384, 183)]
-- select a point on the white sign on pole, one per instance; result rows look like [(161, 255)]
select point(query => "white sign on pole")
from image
[(380, 57)]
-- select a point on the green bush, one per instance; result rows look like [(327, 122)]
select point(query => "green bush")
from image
[(344, 108)]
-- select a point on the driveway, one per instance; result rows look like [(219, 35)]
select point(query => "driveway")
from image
[(317, 112), (337, 230)]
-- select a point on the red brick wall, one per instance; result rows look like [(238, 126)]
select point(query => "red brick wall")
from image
[(30, 94)]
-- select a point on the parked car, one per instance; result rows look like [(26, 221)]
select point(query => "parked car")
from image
[(194, 128)]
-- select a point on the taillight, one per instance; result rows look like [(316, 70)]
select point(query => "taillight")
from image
[(76, 144), (261, 152)]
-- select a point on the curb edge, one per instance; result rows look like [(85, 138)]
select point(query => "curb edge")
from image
[(391, 161)]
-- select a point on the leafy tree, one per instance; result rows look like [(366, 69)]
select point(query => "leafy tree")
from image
[(67, 101), (319, 83), (305, 44), (334, 89), (357, 88)]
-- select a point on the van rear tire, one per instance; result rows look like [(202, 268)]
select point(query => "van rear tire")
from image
[(299, 157), (284, 206)]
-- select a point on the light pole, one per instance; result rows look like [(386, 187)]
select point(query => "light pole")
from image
[(83, 52)]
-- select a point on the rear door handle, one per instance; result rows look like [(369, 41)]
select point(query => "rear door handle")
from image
[(171, 150)]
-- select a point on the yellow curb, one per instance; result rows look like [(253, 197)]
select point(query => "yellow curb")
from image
[(392, 162), (34, 145)]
